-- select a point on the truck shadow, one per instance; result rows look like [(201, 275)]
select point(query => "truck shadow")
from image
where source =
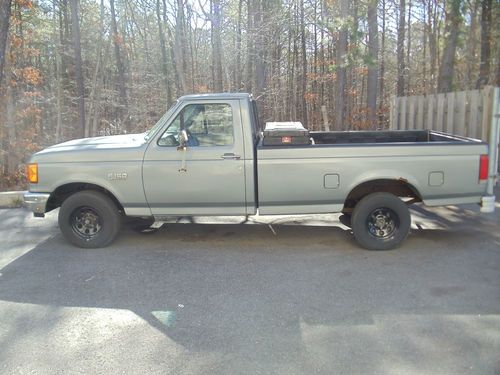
[(239, 287)]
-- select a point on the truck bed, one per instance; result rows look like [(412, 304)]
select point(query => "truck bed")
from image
[(441, 168), (397, 136)]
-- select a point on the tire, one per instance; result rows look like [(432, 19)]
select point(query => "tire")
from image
[(381, 221), (89, 219)]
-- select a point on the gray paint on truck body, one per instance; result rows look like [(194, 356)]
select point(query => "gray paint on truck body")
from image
[(145, 177)]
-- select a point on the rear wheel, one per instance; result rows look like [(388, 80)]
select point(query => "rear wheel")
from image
[(89, 219), (381, 221)]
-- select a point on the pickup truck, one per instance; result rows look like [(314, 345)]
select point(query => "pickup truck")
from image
[(206, 156)]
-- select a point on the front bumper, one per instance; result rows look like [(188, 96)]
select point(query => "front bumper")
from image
[(36, 202)]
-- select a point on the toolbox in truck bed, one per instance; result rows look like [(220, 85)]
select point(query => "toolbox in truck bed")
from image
[(285, 133)]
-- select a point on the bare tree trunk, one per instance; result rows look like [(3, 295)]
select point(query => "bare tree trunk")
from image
[(189, 41), (372, 79), (471, 45), (304, 65), (163, 49), (260, 66), (354, 81), (80, 89), (382, 65), (431, 25), (5, 9), (400, 90), (447, 68), (340, 99), (178, 48), (8, 125), (216, 46), (123, 112), (323, 101), (89, 130), (57, 43), (408, 52), (484, 67), (237, 73), (250, 46)]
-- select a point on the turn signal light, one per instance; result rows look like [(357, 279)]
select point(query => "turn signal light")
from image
[(32, 173), (483, 167)]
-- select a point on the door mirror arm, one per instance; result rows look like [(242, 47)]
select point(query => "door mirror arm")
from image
[(183, 140)]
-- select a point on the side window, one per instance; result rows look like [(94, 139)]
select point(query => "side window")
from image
[(205, 124)]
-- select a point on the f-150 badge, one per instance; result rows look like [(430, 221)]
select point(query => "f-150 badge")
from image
[(117, 176)]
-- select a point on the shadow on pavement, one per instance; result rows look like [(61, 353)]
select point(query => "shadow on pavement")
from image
[(239, 287)]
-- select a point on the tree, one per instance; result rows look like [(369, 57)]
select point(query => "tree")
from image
[(260, 48), (5, 9), (237, 68), (382, 60), (304, 64), (179, 46), (372, 80), (432, 28), (118, 40), (163, 49), (484, 67), (400, 90), (216, 45), (80, 89), (446, 69), (340, 102)]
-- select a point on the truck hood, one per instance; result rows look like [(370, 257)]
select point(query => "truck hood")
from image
[(110, 148), (112, 140)]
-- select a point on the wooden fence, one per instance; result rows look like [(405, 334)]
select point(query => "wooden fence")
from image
[(466, 113)]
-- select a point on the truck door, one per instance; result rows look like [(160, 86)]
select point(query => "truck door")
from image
[(207, 177)]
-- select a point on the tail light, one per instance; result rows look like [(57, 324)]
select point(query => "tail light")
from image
[(483, 167), (32, 173)]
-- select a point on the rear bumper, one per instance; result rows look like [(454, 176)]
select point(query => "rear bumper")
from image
[(36, 202)]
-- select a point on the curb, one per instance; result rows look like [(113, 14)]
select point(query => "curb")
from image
[(11, 199)]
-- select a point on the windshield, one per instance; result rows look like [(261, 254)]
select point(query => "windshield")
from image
[(160, 122)]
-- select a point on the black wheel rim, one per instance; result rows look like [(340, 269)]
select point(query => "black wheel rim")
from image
[(86, 222), (382, 223)]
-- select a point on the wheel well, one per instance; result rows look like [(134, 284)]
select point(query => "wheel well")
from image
[(59, 195), (400, 188)]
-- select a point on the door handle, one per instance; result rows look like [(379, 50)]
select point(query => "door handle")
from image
[(230, 156)]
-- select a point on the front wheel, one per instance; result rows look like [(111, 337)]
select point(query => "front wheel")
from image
[(380, 221), (89, 219)]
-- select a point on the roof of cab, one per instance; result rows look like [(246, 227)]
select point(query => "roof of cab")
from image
[(218, 96)]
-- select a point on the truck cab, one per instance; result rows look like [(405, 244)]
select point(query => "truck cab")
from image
[(212, 172)]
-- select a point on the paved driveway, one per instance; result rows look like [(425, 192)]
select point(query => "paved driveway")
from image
[(237, 299)]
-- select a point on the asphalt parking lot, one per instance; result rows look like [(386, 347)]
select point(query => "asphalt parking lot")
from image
[(229, 298)]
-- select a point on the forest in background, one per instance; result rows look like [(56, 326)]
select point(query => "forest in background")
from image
[(71, 68)]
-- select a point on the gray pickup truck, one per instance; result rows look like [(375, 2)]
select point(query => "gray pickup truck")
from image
[(206, 156)]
